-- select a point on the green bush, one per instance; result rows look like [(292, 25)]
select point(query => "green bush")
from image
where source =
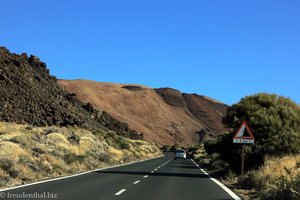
[(122, 143), (6, 164), (71, 158), (165, 148), (9, 166), (274, 120), (104, 157), (175, 147), (116, 141), (275, 123), (226, 151)]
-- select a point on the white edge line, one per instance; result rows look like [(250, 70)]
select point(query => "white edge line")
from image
[(234, 196), (74, 175), (226, 189), (120, 192)]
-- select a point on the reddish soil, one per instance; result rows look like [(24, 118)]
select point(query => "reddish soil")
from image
[(165, 115)]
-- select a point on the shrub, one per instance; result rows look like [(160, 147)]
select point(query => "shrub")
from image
[(275, 123), (3, 176), (122, 143), (175, 147), (283, 188), (71, 158), (116, 141), (278, 178), (6, 164), (21, 139), (104, 157), (165, 148), (57, 138), (29, 127), (9, 166), (274, 120), (49, 130), (110, 137)]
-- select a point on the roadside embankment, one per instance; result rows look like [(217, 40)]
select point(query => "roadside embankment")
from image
[(29, 154)]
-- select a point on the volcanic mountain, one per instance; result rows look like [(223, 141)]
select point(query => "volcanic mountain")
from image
[(164, 115), (29, 94)]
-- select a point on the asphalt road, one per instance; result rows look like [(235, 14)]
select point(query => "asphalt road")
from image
[(157, 179)]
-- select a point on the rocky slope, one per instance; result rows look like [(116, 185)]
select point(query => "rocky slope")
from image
[(29, 94), (164, 115)]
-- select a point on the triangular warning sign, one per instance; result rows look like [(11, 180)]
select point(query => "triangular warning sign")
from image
[(243, 134)]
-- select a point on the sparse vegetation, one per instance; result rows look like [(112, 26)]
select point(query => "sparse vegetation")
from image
[(275, 122), (175, 147), (278, 178), (35, 153), (165, 148), (164, 116), (272, 164)]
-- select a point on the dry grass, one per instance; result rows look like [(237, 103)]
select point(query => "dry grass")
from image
[(277, 167), (29, 154), (278, 178), (278, 175)]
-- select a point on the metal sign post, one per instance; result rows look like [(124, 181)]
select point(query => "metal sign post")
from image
[(243, 136), (243, 160)]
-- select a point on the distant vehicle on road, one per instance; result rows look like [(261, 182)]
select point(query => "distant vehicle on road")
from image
[(180, 154)]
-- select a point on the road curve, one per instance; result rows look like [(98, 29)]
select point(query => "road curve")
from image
[(157, 179)]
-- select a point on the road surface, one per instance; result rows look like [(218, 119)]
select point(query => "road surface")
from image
[(157, 179)]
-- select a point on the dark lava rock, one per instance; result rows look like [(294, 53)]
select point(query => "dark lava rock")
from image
[(29, 94), (132, 87), (207, 111), (171, 96)]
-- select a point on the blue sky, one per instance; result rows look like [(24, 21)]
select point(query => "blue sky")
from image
[(221, 49)]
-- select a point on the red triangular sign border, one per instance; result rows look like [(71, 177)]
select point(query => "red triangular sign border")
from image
[(247, 128)]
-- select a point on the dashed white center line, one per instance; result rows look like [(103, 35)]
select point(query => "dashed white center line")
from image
[(136, 182), (146, 176), (152, 172), (120, 192)]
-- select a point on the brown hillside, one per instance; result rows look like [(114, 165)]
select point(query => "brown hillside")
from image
[(206, 110), (165, 115)]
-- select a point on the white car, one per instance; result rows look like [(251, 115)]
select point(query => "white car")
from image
[(180, 154)]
